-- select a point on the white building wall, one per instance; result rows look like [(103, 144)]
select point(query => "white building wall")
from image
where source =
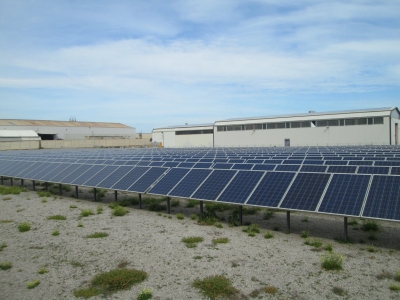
[(194, 141)]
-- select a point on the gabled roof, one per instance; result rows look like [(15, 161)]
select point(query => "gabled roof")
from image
[(11, 122)]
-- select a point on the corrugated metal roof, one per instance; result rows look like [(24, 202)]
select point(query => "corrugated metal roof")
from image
[(17, 133), (11, 122), (186, 126), (388, 109)]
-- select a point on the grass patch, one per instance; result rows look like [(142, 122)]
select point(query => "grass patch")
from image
[(100, 193), (44, 200), (194, 217), (329, 248), (332, 261), (76, 264), (175, 203), (11, 190), (268, 235), (384, 275), (33, 284), (215, 287), (6, 221), (97, 235), (129, 201), (371, 249), (370, 225), (23, 227), (268, 214), (219, 225), (55, 232), (57, 217), (220, 241), (111, 282), (5, 265), (397, 276), (394, 287), (180, 216), (99, 209), (192, 241), (313, 242), (73, 206), (119, 211), (247, 210), (305, 220), (145, 294), (43, 193), (192, 203), (2, 246), (80, 224), (7, 198), (305, 234), (252, 229), (86, 212), (43, 271)]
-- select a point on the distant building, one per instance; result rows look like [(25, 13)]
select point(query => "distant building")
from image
[(340, 128), (18, 135)]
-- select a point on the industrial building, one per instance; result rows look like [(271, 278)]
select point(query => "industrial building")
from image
[(339, 128), (71, 130)]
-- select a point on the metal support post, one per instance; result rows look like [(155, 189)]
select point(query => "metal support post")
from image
[(345, 228), (288, 221), (241, 215), (201, 208), (140, 201), (76, 192), (12, 181), (116, 196), (95, 194), (60, 189), (22, 182), (168, 205), (1, 178), (33, 185), (46, 186)]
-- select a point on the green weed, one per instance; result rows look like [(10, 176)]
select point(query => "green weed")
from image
[(33, 284), (55, 233), (11, 190), (43, 194), (268, 235), (57, 217), (192, 203), (119, 211), (180, 216), (43, 271), (23, 227), (99, 209), (97, 235), (5, 265), (332, 261), (370, 225), (305, 234), (252, 229), (175, 203), (313, 242), (215, 287), (394, 287), (220, 241), (73, 206), (145, 294), (2, 246), (86, 212)]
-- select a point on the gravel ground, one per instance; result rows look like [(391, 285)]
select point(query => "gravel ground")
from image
[(151, 242)]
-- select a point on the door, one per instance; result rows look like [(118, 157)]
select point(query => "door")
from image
[(287, 142)]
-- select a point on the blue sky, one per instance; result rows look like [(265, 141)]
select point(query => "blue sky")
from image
[(150, 64)]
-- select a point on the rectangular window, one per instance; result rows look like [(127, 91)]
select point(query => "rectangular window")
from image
[(248, 127), (349, 122), (378, 120), (264, 126), (271, 125), (258, 126), (322, 123), (287, 125), (370, 121), (187, 132), (295, 124), (362, 121), (341, 122), (237, 127), (221, 128), (305, 124), (333, 122), (280, 125), (229, 128)]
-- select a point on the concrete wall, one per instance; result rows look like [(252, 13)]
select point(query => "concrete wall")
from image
[(21, 145), (310, 136)]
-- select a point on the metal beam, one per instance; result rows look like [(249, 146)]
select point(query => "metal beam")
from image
[(46, 186), (241, 215), (95, 194), (168, 205), (76, 192), (22, 182), (12, 181), (60, 189), (116, 196), (33, 185), (288, 221), (140, 201), (201, 208), (345, 229)]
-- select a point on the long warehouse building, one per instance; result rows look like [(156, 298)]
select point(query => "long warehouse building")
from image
[(339, 128)]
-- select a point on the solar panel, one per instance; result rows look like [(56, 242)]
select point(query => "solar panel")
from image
[(387, 163), (240, 187), (131, 163), (37, 172), (335, 162), (190, 183), (13, 172), (373, 170), (312, 168), (361, 163), (75, 174), (107, 170), (222, 166), (125, 182), (186, 165), (57, 178), (202, 165), (264, 167), (273, 161), (395, 171), (167, 183), (292, 162), (143, 163), (171, 164), (4, 165), (54, 172), (313, 162), (144, 182), (345, 194), (242, 166), (383, 198), (306, 191), (293, 168), (87, 175), (342, 169), (271, 189), (10, 169), (156, 163), (108, 181), (214, 184)]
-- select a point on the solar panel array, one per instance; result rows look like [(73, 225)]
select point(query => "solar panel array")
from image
[(348, 181)]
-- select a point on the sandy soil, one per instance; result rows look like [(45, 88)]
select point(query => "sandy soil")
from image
[(151, 242)]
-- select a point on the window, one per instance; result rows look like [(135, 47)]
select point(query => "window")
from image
[(378, 120), (295, 125), (305, 124), (221, 128), (341, 122), (370, 121), (333, 122), (361, 121), (271, 125), (349, 122), (187, 132), (322, 123), (280, 125)]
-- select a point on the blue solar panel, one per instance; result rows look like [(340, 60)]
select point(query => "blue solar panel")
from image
[(271, 189), (293, 168), (373, 170), (387, 163), (57, 178), (114, 177), (156, 163), (202, 165), (360, 163), (264, 167), (224, 166), (166, 184), (87, 175), (312, 168), (107, 170), (17, 169), (292, 162), (54, 172), (75, 174), (383, 198), (313, 162), (171, 164), (342, 169), (4, 165), (335, 162), (254, 161), (190, 183), (214, 184), (306, 191), (242, 166), (147, 180), (240, 187), (39, 171), (129, 178), (186, 165), (345, 194), (273, 161), (395, 171), (131, 163), (10, 169), (143, 163)]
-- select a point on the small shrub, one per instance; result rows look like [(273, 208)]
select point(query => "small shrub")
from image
[(157, 207), (99, 209), (197, 257), (192, 203), (338, 291), (215, 287), (87, 293), (44, 194), (5, 265), (314, 242), (33, 284), (268, 235), (329, 248), (268, 214), (180, 216), (119, 211), (55, 233), (23, 227), (175, 203), (193, 239), (394, 287), (73, 206), (370, 225), (145, 294), (270, 289), (97, 235), (129, 201), (252, 229), (118, 279), (332, 261), (194, 217), (43, 271), (57, 217), (11, 190), (220, 241), (80, 224), (2, 246), (44, 200), (86, 212), (219, 225), (371, 248), (305, 234), (397, 276)]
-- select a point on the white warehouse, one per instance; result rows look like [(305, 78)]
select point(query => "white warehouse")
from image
[(340, 128)]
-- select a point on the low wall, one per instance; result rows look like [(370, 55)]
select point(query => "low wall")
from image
[(30, 145)]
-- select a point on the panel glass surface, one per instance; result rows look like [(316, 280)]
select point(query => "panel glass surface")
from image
[(214, 184), (75, 174), (129, 178), (61, 167), (242, 166), (293, 168), (40, 170), (373, 170), (264, 167), (306, 191), (383, 198), (342, 169), (202, 165), (240, 187), (71, 168), (271, 189), (190, 183), (225, 166), (15, 171), (345, 194), (171, 164), (106, 171), (312, 168), (110, 179), (15, 165), (166, 184), (144, 183), (186, 165), (87, 175)]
